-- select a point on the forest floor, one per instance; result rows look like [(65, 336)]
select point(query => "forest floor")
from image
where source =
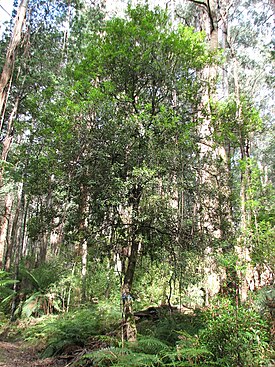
[(18, 354)]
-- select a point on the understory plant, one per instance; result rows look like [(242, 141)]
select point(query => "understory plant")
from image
[(6, 294), (236, 335), (76, 327), (223, 335)]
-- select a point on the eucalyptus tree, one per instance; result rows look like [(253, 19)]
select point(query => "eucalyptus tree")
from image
[(34, 71), (238, 115), (248, 34), (6, 126), (8, 68)]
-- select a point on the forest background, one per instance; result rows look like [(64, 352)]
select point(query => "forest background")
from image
[(137, 173)]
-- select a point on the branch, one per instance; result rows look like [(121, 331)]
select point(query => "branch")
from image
[(156, 229), (210, 16), (5, 10), (199, 3)]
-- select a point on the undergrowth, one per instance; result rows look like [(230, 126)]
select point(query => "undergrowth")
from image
[(75, 327), (168, 328), (223, 336)]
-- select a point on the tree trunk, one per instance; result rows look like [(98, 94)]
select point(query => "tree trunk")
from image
[(8, 67), (213, 205), (4, 228), (130, 330), (14, 240), (8, 138), (82, 249)]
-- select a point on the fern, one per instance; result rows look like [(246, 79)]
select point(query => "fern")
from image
[(35, 282), (77, 327), (121, 357), (44, 276), (139, 360), (194, 352), (149, 345), (4, 280), (6, 291), (55, 348), (106, 357)]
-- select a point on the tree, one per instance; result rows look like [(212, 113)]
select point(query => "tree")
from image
[(7, 72), (123, 100)]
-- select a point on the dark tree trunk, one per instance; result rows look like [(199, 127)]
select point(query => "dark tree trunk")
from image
[(130, 331)]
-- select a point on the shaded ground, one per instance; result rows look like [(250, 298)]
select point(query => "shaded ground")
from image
[(17, 354)]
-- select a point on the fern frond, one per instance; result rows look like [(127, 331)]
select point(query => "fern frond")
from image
[(31, 305), (138, 360), (36, 283), (106, 357), (54, 349), (5, 280), (193, 352), (149, 345), (8, 298)]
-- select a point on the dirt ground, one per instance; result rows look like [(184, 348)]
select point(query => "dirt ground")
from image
[(17, 354)]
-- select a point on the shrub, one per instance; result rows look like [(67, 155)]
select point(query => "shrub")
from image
[(236, 336)]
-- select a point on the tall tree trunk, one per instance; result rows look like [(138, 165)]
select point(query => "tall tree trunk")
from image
[(82, 249), (8, 67), (14, 240), (4, 228), (242, 248), (17, 245), (214, 176), (130, 330), (8, 138)]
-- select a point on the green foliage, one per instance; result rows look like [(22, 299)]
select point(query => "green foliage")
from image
[(148, 345), (220, 336), (168, 328), (224, 335), (6, 292), (43, 276), (71, 328), (105, 357), (111, 125), (152, 352), (232, 125), (117, 115), (102, 281), (151, 283), (39, 304), (262, 299), (5, 280), (139, 360), (235, 335), (40, 295), (146, 351), (260, 203)]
